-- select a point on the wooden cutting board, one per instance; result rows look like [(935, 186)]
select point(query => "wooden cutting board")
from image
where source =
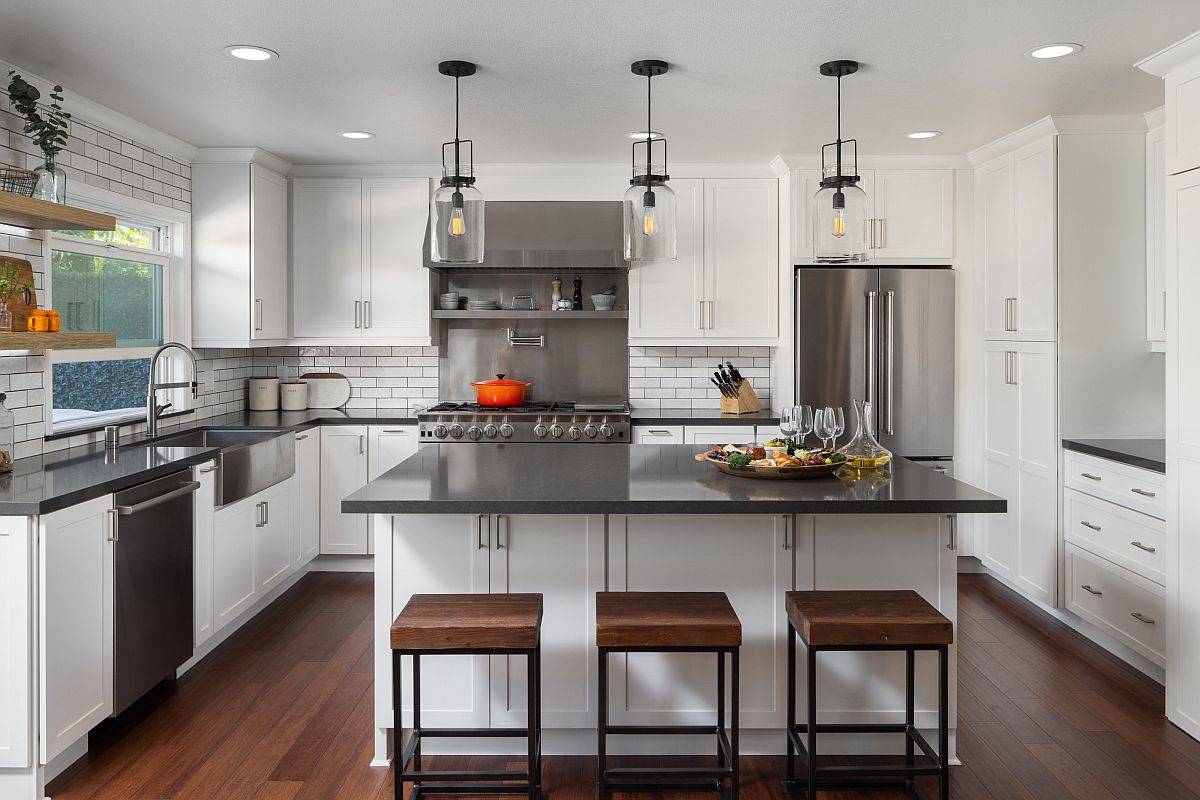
[(20, 305)]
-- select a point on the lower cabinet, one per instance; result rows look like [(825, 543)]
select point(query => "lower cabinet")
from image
[(273, 536), (718, 434), (75, 629), (308, 495), (1123, 604), (343, 471), (203, 526), (234, 586), (388, 445), (657, 434)]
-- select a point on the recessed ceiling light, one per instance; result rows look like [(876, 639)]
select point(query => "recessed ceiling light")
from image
[(641, 136), (249, 52), (1055, 50), (924, 134), (356, 135)]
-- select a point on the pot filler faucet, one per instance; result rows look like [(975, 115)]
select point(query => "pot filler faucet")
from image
[(153, 409)]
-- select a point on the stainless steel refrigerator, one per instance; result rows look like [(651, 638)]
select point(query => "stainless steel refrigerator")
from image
[(884, 334)]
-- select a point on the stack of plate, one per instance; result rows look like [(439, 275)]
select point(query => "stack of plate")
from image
[(448, 301), (482, 305)]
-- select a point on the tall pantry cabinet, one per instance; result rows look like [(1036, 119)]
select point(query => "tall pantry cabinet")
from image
[(1179, 65)]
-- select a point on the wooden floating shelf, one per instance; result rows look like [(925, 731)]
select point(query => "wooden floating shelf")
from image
[(26, 212), (519, 314), (21, 340)]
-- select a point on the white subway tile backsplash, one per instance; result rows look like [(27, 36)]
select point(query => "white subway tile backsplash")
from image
[(679, 377)]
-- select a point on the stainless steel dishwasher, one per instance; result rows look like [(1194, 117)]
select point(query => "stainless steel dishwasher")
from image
[(153, 551)]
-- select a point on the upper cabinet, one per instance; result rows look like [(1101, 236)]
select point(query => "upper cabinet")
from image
[(357, 270), (1183, 118), (725, 282), (1156, 237), (910, 213), (239, 265)]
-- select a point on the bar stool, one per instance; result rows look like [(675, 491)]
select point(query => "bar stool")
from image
[(866, 621), (467, 624), (669, 622)]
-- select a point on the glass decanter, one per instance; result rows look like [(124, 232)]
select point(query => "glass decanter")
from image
[(864, 453)]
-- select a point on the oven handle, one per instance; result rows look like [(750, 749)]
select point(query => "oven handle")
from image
[(183, 489)]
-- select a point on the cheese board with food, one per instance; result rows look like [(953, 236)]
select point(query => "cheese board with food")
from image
[(755, 461)]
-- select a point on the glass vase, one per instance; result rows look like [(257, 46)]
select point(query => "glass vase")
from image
[(6, 436), (51, 183), (864, 454), (5, 317)]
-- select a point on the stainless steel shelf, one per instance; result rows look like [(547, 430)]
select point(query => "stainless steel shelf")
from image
[(515, 314)]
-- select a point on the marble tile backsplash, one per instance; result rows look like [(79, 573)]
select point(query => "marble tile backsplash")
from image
[(678, 377)]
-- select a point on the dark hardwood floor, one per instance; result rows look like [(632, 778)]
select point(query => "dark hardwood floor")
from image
[(284, 710)]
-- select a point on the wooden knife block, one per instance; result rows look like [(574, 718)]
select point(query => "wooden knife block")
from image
[(746, 402)]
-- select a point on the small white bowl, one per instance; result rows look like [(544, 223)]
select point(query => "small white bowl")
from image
[(604, 302)]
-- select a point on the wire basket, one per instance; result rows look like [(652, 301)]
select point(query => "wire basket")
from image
[(17, 180)]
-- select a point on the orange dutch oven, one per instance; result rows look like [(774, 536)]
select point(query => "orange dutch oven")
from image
[(500, 393)]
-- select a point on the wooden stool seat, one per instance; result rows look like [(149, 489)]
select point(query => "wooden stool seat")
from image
[(867, 618), (666, 620), (468, 621)]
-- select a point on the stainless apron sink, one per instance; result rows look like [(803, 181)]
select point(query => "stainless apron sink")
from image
[(248, 461)]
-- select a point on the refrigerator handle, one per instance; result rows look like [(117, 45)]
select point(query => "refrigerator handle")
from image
[(889, 359), (872, 345)]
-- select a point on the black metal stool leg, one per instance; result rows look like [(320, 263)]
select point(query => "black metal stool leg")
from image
[(397, 727), (791, 701), (416, 679), (735, 775), (531, 700), (944, 722), (812, 722), (537, 664), (602, 722), (720, 706), (909, 706)]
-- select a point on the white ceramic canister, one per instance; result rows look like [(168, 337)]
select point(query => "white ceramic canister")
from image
[(263, 394), (293, 396)]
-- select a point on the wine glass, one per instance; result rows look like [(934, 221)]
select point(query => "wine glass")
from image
[(804, 422), (788, 421), (838, 418), (823, 425)]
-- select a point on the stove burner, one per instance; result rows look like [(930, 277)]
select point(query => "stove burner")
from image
[(546, 422)]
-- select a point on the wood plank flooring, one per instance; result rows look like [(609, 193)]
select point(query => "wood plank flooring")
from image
[(283, 711)]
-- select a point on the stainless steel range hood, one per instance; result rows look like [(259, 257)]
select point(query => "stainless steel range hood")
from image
[(559, 235)]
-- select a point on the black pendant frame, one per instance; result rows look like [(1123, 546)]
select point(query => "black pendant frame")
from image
[(649, 68), (839, 69), (456, 70)]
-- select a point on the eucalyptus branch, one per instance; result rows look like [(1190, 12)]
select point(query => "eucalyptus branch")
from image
[(46, 125)]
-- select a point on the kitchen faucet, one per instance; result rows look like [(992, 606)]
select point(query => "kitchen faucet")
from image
[(153, 409)]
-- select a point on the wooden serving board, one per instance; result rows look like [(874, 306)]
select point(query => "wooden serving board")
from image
[(777, 473), (19, 305)]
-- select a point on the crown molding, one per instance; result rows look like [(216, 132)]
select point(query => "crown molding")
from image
[(525, 170), (1171, 56), (1058, 124), (877, 161), (1156, 117), (242, 155)]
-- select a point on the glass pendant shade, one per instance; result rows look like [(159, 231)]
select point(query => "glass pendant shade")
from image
[(456, 225), (649, 222), (840, 225)]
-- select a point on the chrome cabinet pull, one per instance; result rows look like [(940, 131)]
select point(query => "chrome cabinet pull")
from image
[(1087, 524), (501, 532), (112, 534), (479, 522), (1140, 617), (786, 545), (712, 314), (659, 433), (300, 437), (1145, 547), (1016, 368), (700, 303), (1090, 590), (1090, 476), (266, 512), (206, 470), (889, 367), (883, 234), (258, 515), (258, 313), (400, 431), (952, 545), (362, 445), (358, 313), (1143, 492), (872, 344), (366, 313)]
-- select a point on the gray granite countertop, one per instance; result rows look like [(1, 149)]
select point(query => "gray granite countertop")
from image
[(701, 416), (1145, 453), (640, 479)]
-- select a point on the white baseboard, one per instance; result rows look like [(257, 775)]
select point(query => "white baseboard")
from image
[(330, 563), (59, 764)]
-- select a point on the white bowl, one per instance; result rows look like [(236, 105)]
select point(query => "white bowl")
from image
[(604, 302)]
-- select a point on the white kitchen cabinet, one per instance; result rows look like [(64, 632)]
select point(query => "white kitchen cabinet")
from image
[(657, 434), (388, 445), (718, 434), (343, 472), (1156, 236), (75, 595), (272, 532), (234, 586), (1183, 117), (562, 558), (1123, 604), (308, 494), (996, 234), (748, 558), (913, 211), (17, 643), (203, 524), (725, 283), (239, 251), (357, 270)]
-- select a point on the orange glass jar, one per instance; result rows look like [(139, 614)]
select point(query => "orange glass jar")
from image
[(54, 321), (38, 322)]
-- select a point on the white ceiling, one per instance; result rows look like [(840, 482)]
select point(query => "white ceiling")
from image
[(554, 82)]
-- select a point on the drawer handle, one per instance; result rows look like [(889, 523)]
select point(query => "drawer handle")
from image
[(1087, 524), (1090, 590), (659, 433), (1145, 547), (1143, 492), (1140, 617), (1090, 476), (300, 437)]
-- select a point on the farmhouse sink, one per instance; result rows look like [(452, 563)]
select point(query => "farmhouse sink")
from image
[(248, 461)]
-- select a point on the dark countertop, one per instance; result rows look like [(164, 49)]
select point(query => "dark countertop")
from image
[(1145, 453), (60, 479), (640, 479), (701, 416)]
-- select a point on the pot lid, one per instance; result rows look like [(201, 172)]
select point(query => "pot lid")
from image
[(499, 380)]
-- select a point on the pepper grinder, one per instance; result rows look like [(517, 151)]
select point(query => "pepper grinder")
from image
[(555, 293), (577, 297)]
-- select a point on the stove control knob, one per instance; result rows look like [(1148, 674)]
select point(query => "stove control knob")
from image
[(556, 431), (439, 431), (607, 431), (456, 431), (490, 431), (474, 433), (590, 430), (539, 430), (574, 432), (506, 430)]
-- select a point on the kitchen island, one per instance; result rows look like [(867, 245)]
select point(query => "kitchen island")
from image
[(571, 520)]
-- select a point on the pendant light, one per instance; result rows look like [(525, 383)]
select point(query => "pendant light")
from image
[(649, 204), (840, 206), (456, 209)]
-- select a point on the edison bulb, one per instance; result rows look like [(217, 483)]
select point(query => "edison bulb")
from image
[(457, 226), (839, 222), (648, 222)]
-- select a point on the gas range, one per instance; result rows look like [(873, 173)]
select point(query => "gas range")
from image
[(572, 423)]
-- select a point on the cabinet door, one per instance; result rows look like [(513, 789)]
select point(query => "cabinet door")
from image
[(308, 491), (998, 550), (1037, 470), (234, 588), (75, 594), (805, 184), (268, 254), (327, 257), (1156, 236), (718, 434), (741, 258), (396, 284), (1183, 118), (389, 445), (343, 472), (915, 213), (749, 558), (17, 643), (203, 521), (562, 557), (665, 296), (996, 228), (658, 434), (442, 554), (273, 536), (1037, 241)]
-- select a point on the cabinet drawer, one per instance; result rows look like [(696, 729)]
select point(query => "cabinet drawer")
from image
[(1139, 489), (658, 434), (1123, 604), (1134, 541)]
